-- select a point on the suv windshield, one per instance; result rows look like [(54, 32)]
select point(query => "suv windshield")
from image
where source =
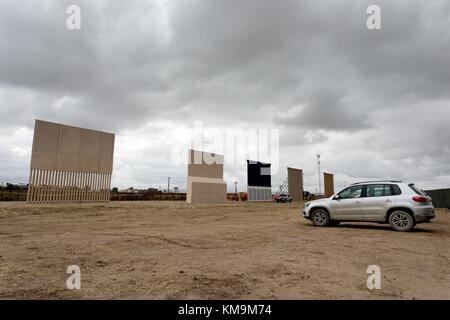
[(416, 190)]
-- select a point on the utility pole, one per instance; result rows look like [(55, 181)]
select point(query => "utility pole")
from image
[(168, 184), (235, 187), (318, 168)]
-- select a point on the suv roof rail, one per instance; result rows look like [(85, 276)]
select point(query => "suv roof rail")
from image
[(397, 181)]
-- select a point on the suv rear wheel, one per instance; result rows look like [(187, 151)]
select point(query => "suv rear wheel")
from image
[(320, 218), (401, 221)]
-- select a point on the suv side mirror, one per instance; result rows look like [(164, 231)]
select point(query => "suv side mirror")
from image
[(336, 197)]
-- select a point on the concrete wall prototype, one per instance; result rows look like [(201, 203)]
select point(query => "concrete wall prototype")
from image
[(205, 182), (70, 164), (295, 184), (259, 182), (328, 181)]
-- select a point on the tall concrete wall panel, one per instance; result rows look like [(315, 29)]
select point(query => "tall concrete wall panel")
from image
[(205, 182), (295, 183), (328, 179), (70, 164), (60, 147)]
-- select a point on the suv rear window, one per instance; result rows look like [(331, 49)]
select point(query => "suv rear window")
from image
[(395, 190), (416, 190)]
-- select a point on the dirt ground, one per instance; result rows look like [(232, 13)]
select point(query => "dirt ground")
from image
[(174, 250)]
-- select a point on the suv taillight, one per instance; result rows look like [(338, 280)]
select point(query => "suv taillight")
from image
[(419, 199)]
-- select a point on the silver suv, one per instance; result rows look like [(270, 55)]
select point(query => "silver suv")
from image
[(399, 204)]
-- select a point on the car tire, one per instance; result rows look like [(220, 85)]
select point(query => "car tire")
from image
[(401, 221), (320, 218)]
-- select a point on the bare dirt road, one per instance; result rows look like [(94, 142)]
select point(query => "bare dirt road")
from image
[(173, 250)]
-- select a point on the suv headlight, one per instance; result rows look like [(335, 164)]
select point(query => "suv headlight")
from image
[(306, 205)]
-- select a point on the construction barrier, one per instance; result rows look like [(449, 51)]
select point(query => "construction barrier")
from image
[(157, 196), (148, 196), (13, 196)]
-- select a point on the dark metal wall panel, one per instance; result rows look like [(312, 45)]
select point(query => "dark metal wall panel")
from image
[(441, 197), (258, 174)]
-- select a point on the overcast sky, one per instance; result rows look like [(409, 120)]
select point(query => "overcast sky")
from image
[(374, 103)]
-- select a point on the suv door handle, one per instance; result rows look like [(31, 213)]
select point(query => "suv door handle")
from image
[(388, 200)]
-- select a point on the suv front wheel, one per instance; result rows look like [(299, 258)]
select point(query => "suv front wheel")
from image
[(401, 221), (320, 218)]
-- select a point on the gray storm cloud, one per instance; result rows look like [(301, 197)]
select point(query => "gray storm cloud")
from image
[(374, 103)]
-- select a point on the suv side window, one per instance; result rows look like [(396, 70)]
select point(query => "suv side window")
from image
[(351, 192), (382, 190), (375, 190), (388, 190)]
